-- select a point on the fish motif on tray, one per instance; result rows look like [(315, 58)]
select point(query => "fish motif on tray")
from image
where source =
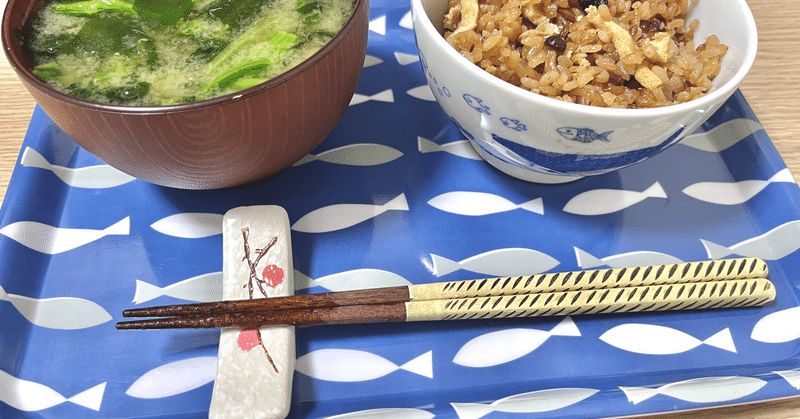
[(384, 96), (361, 154), (498, 262), (351, 365), (723, 136), (775, 244), (502, 346), (393, 413), (791, 376), (607, 201), (51, 240), (190, 225), (174, 378), (422, 93), (351, 280), (531, 402), (699, 390), (481, 203), (460, 148), (406, 59), (378, 25), (778, 327), (371, 60), (637, 258), (341, 216), (651, 339), (90, 177), (65, 313), (734, 193), (406, 21), (201, 288), (29, 396)]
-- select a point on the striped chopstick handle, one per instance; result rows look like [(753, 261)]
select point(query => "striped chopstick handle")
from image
[(685, 272), (684, 296)]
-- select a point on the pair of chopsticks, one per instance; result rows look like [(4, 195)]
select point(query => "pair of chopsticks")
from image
[(724, 283)]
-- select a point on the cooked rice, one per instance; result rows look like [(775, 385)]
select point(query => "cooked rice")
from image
[(623, 54)]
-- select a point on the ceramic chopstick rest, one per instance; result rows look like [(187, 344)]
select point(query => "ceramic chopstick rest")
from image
[(255, 367)]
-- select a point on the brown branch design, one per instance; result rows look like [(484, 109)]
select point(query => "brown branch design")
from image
[(254, 280)]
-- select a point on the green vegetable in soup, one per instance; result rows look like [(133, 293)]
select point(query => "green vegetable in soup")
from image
[(161, 52), (167, 12), (232, 75), (110, 35), (94, 7), (48, 71), (233, 12)]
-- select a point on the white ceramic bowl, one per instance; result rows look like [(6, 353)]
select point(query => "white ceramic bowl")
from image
[(517, 131)]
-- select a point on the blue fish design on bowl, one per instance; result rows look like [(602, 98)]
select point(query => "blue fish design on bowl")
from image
[(476, 103), (583, 135), (513, 124)]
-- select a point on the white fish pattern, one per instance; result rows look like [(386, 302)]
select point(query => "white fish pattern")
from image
[(638, 258), (722, 136), (363, 154), (699, 390), (190, 225), (29, 396), (531, 402), (393, 413), (500, 347), (407, 21), (90, 177), (422, 93), (792, 377), (460, 148), (174, 378), (652, 339), (371, 60), (351, 280), (778, 327), (384, 96), (499, 262), (734, 193), (203, 288), (481, 203), (606, 201), (65, 313), (341, 216), (775, 244), (406, 59), (52, 240), (350, 365), (378, 25)]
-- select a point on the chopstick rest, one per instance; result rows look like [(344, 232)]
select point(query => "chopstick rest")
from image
[(255, 367)]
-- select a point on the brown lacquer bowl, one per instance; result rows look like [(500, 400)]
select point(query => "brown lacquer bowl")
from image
[(228, 141)]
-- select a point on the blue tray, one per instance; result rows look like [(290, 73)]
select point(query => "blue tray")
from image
[(135, 243)]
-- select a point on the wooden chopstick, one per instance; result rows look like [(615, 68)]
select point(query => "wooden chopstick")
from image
[(685, 272), (683, 296), (575, 293)]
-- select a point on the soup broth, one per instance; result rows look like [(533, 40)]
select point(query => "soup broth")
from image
[(165, 52)]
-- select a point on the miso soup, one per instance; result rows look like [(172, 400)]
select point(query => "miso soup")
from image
[(164, 52)]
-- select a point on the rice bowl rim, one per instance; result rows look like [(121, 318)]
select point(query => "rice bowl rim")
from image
[(716, 95)]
